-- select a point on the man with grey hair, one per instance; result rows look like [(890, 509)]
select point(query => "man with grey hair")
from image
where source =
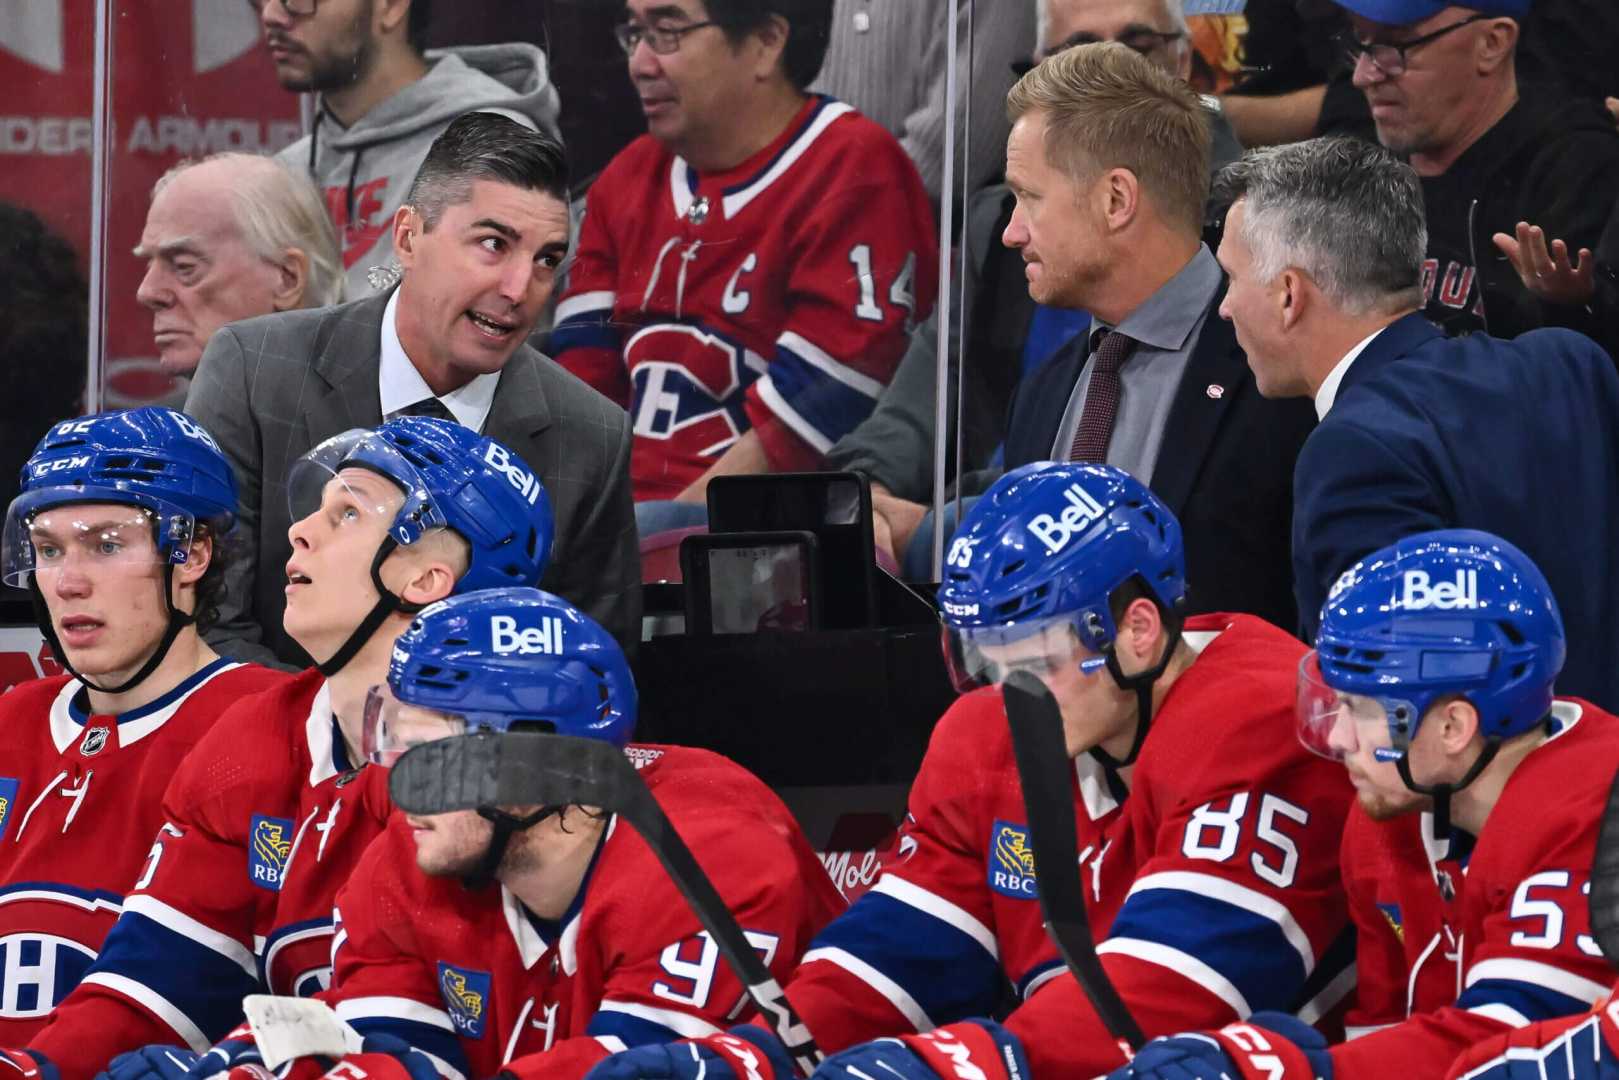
[(1324, 248), (227, 238)]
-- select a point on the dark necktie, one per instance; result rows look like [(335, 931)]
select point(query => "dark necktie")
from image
[(1101, 397), (429, 407)]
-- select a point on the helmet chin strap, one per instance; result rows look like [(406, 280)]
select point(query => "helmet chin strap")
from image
[(1142, 683), (178, 620), (387, 603), (1441, 793), (506, 826)]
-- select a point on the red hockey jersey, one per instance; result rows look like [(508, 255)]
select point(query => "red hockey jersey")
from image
[(259, 794), (80, 801), (777, 296), (1212, 883), (471, 979), (1476, 942)]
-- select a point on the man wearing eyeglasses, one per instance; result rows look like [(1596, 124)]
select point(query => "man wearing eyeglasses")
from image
[(1441, 81), (748, 271), (382, 100)]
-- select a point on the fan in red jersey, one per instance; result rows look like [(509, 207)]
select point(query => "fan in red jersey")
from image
[(268, 815), (121, 536)]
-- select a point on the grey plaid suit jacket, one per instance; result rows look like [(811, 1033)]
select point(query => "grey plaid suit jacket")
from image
[(269, 389)]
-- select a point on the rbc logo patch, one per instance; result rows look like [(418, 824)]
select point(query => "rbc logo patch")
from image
[(466, 996), (8, 799), (270, 844), (1011, 861), (1391, 912)]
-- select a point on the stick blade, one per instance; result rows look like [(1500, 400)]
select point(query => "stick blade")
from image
[(520, 768)]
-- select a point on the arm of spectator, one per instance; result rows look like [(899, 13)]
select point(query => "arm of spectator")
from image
[(584, 339), (1549, 273), (746, 456), (219, 400), (893, 447), (1274, 119), (894, 522)]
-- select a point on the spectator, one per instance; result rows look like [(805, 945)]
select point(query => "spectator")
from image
[(1442, 84), (43, 323), (888, 58), (227, 238), (483, 229), (1325, 246), (383, 98), (748, 271), (1008, 334)]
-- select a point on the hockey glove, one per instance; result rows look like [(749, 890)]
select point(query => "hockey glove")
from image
[(30, 1064), (1568, 1048), (978, 1048), (385, 1057), (153, 1062), (746, 1051), (1270, 1046)]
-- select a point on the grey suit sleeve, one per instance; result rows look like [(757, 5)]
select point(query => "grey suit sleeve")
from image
[(894, 445), (602, 575), (219, 401)]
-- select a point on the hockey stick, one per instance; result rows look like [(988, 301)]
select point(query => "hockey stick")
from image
[(533, 768), (1604, 901), (1044, 771)]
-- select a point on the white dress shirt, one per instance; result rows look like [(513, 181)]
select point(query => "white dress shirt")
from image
[(400, 385), (1328, 393)]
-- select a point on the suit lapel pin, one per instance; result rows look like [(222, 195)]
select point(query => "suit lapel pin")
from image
[(1215, 391)]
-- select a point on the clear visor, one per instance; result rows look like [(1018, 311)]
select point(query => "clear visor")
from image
[(392, 727), (1338, 725), (355, 472), (85, 537), (1051, 649)]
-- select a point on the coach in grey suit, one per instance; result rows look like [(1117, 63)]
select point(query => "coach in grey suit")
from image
[(479, 238)]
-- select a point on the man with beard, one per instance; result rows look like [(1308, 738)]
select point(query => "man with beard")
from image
[(383, 99), (1480, 795)]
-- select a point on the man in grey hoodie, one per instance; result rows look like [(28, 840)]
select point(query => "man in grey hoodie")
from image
[(383, 99)]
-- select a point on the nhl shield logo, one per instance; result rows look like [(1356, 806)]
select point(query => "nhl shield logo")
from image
[(466, 998), (94, 740), (1011, 861)]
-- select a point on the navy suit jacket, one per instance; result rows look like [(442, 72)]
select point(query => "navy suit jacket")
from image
[(1225, 468), (1518, 438)]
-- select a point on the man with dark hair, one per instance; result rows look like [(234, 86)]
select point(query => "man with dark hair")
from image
[(479, 241), (1324, 247), (383, 98), (748, 271)]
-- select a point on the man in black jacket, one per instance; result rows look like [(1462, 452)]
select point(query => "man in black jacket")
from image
[(1442, 84)]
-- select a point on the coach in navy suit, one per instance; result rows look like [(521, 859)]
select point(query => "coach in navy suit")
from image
[(1324, 247)]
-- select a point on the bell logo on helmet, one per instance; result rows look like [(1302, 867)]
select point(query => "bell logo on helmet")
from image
[(524, 481), (194, 430), (1419, 595), (506, 638), (1081, 512)]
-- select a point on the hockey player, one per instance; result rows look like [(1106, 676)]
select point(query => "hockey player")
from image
[(1468, 857), (749, 269), (120, 535), (267, 817), (586, 946), (1207, 835)]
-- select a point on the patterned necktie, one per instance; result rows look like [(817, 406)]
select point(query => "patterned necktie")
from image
[(429, 407), (1101, 397)]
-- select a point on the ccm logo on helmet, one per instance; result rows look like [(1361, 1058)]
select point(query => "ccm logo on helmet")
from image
[(1419, 595), (520, 478), (506, 637), (1081, 512), (77, 461)]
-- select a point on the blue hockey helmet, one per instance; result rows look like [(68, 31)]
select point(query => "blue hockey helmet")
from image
[(490, 659), (453, 478), (154, 459), (1455, 611), (1040, 556)]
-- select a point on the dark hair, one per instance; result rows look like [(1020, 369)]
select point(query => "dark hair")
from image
[(486, 146), (810, 23), (421, 16), (1136, 589), (210, 588)]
